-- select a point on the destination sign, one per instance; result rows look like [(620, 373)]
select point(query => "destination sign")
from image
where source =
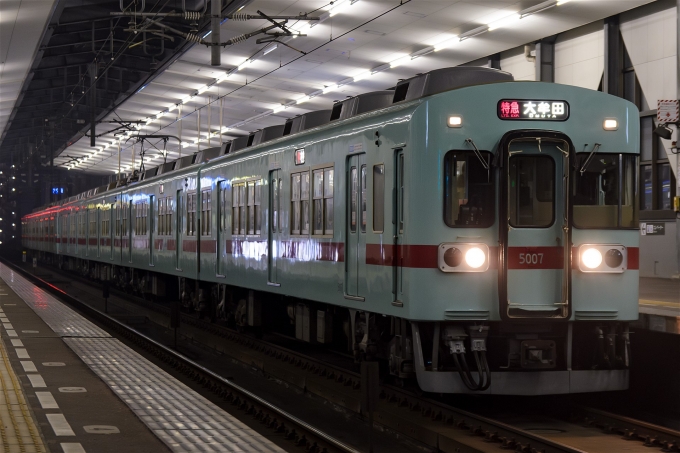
[(533, 110)]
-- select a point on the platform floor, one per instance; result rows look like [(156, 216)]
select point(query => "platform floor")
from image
[(659, 305), (84, 391)]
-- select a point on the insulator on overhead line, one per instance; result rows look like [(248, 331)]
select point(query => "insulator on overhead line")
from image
[(193, 37), (239, 16), (238, 39), (192, 15)]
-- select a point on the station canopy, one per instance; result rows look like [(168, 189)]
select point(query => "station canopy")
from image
[(146, 70)]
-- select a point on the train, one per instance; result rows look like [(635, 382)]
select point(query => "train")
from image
[(472, 233)]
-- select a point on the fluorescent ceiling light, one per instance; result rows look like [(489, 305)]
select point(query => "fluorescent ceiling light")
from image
[(400, 61), (504, 22), (474, 32), (361, 76), (446, 44)]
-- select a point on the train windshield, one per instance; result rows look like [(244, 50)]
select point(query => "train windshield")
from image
[(604, 191), (469, 189)]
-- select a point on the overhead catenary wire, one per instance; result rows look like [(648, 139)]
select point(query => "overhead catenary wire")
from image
[(332, 39)]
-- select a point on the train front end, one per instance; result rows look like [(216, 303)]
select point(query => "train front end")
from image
[(537, 253)]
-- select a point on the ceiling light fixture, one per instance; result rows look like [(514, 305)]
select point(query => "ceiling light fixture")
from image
[(538, 8), (504, 22), (474, 32), (400, 61), (446, 44)]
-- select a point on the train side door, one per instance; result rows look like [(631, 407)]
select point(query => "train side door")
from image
[(220, 247), (537, 250), (398, 224), (99, 232), (275, 225), (178, 229), (355, 232), (112, 214), (130, 232), (150, 225)]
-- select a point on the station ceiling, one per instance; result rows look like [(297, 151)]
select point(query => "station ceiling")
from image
[(159, 83)]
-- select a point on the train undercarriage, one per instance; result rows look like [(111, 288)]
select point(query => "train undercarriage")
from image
[(522, 357)]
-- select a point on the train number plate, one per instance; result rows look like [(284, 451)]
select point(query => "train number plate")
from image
[(533, 109)]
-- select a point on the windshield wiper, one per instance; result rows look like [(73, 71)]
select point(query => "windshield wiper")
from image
[(485, 164), (596, 147)]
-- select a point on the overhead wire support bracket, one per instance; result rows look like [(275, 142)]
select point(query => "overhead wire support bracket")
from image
[(239, 17)]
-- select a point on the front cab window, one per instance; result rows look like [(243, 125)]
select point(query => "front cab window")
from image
[(604, 191), (469, 190)]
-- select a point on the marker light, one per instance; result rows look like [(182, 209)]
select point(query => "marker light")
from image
[(591, 258), (475, 257), (455, 121), (610, 124)]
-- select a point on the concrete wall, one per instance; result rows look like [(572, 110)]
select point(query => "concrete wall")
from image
[(579, 56)]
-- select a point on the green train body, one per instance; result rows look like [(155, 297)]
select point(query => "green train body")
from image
[(379, 262)]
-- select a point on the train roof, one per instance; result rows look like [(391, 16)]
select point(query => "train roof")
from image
[(419, 86)]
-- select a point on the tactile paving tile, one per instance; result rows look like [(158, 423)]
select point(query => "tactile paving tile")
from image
[(61, 319), (180, 417)]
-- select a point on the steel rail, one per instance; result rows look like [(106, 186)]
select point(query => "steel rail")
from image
[(180, 358), (632, 429), (493, 431)]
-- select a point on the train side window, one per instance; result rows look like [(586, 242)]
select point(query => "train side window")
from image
[(258, 204), (93, 223), (191, 214), (322, 195), (328, 183), (304, 199), (251, 207), (379, 198), (234, 209), (295, 203), (145, 216), (206, 212), (242, 209), (469, 190), (317, 194)]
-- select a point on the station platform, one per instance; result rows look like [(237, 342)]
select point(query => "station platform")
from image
[(68, 386), (659, 305)]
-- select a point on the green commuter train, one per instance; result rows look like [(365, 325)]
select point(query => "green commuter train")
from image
[(472, 232)]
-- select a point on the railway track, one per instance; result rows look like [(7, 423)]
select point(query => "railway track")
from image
[(432, 423)]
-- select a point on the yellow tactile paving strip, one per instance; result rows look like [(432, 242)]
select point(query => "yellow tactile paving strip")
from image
[(660, 303), (18, 432)]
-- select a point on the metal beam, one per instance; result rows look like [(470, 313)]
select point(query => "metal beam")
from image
[(545, 60), (613, 57)]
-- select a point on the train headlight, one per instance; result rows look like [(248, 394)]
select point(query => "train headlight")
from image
[(613, 258), (603, 258), (462, 257), (475, 258), (591, 258), (453, 257)]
